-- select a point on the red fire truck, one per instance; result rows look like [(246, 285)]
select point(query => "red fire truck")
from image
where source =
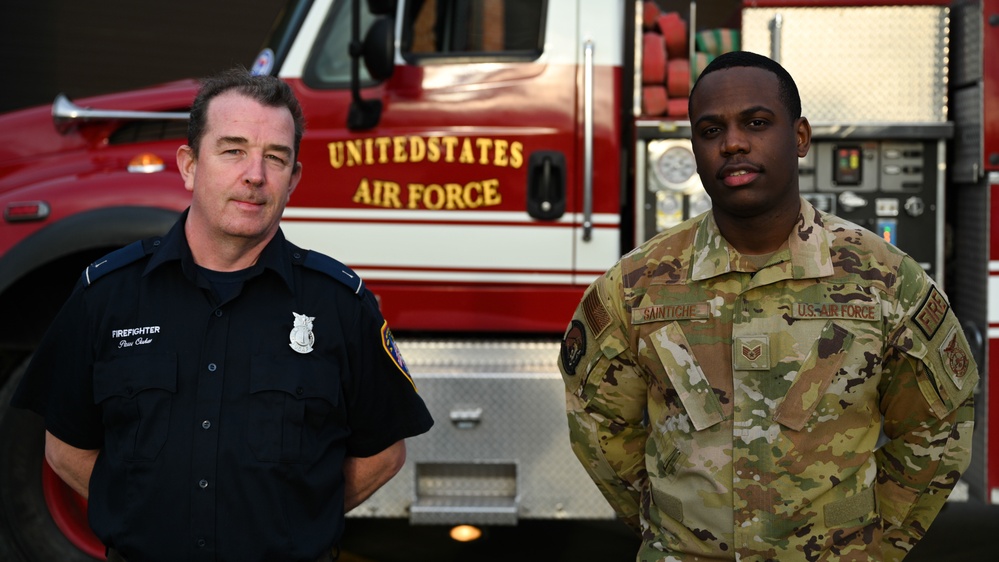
[(479, 163)]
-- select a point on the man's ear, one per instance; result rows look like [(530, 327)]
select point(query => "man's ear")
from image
[(187, 163), (803, 130), (296, 175)]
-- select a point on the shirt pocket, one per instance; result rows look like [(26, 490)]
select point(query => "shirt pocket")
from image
[(290, 404), (699, 400), (136, 394), (815, 374)]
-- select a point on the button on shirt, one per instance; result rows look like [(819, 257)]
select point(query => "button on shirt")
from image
[(222, 437)]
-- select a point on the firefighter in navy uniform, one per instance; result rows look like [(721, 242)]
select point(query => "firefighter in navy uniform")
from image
[(219, 393)]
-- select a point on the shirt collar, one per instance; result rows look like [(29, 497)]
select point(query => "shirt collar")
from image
[(173, 247), (806, 254)]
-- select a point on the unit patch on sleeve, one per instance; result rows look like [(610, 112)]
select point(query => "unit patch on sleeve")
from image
[(956, 360), (931, 313), (573, 346), (392, 349)]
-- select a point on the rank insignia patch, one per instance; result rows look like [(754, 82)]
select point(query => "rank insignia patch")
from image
[(573, 346), (751, 353)]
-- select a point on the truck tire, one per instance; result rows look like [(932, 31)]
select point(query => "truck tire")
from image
[(28, 532)]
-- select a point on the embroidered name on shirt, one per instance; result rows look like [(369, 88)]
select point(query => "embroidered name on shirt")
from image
[(845, 310), (666, 312), (124, 336), (129, 332)]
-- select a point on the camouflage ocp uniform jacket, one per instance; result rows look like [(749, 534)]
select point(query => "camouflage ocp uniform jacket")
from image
[(727, 412)]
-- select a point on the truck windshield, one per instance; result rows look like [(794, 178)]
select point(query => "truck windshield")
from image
[(284, 30), (329, 63)]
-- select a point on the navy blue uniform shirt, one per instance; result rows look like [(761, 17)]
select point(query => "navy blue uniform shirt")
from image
[(222, 425)]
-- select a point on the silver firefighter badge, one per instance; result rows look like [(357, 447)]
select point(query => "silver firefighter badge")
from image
[(301, 336)]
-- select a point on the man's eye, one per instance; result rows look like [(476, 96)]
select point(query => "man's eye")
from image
[(277, 159)]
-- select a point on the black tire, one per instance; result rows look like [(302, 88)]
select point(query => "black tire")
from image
[(27, 532)]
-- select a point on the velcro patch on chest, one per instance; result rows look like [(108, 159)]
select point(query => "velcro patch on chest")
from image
[(669, 312), (751, 353), (863, 311)]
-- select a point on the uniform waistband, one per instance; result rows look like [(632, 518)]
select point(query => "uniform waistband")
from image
[(329, 556)]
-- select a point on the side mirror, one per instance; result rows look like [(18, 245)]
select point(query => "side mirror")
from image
[(376, 51), (379, 48)]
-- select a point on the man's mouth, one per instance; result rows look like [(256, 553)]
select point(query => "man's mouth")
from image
[(739, 178)]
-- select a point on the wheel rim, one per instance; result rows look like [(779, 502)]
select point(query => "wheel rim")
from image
[(69, 512)]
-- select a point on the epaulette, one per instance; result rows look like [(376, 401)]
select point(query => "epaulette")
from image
[(333, 268), (115, 260)]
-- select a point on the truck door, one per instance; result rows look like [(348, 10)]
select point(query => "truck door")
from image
[(460, 205)]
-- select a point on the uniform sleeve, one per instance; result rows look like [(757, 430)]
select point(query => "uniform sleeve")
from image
[(927, 403), (605, 402), (384, 405), (58, 383)]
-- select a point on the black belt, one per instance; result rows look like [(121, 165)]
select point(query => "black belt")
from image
[(328, 556)]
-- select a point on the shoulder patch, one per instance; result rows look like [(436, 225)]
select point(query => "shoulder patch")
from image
[(931, 313), (115, 260), (333, 268)]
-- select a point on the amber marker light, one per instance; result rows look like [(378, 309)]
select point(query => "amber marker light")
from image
[(466, 533), (146, 163)]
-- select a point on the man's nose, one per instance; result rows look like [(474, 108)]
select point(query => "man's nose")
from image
[(734, 141), (253, 175)]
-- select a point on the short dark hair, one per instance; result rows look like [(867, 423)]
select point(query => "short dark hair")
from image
[(787, 90), (268, 90)]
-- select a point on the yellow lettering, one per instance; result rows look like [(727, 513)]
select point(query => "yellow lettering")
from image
[(473, 195), (417, 149), (390, 195), (434, 149), (484, 146), (415, 195), (500, 157), (516, 154), (336, 154), (369, 150), (467, 155), (449, 144), (490, 189), (383, 145), (398, 149), (434, 197), (453, 196), (354, 152), (362, 195)]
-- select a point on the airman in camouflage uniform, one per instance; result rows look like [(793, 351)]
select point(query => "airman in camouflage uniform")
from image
[(729, 405)]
